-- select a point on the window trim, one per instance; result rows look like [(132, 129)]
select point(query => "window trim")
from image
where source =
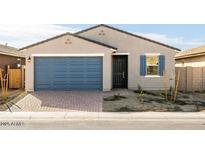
[(152, 54), (152, 76)]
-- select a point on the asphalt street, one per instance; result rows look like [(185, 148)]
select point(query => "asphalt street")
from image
[(140, 124)]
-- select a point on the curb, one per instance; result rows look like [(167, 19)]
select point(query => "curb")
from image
[(101, 116)]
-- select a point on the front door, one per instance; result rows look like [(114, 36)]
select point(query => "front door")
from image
[(120, 71)]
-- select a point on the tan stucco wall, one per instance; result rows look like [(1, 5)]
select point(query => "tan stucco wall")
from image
[(191, 78), (136, 47), (198, 61), (77, 46), (194, 74)]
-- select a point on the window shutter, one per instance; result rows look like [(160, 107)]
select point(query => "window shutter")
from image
[(161, 65), (142, 65)]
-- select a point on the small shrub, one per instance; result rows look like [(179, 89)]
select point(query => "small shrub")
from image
[(136, 91), (151, 93), (139, 88), (141, 94)]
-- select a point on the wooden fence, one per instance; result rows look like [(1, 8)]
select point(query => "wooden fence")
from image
[(16, 78), (191, 79)]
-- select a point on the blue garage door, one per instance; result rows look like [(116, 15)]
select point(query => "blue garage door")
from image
[(70, 73)]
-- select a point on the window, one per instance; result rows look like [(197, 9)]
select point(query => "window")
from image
[(152, 64)]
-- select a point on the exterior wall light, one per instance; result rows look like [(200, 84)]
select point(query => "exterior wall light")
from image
[(29, 59), (19, 62), (101, 32), (18, 65)]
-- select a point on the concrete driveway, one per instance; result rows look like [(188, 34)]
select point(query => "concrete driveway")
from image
[(50, 101)]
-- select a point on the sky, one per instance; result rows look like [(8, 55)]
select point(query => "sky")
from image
[(180, 36)]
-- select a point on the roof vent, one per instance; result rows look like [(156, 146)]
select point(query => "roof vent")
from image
[(102, 33)]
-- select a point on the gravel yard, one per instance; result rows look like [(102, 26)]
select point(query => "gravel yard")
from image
[(14, 95), (133, 101)]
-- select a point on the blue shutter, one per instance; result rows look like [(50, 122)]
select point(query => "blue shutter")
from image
[(161, 65), (142, 65)]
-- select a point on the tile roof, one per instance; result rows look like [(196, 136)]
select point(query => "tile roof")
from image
[(191, 52), (11, 51)]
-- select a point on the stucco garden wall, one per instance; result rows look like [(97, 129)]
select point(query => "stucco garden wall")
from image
[(191, 79)]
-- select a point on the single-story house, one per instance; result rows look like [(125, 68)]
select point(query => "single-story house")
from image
[(10, 56), (99, 58), (191, 64)]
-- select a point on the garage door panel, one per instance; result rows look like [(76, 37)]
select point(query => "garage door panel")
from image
[(59, 69), (76, 70), (71, 73), (92, 70), (94, 74), (93, 63), (59, 85), (60, 76), (43, 85), (44, 78), (77, 76), (76, 83)]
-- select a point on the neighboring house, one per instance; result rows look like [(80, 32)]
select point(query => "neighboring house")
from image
[(10, 56), (191, 64), (99, 58), (193, 57)]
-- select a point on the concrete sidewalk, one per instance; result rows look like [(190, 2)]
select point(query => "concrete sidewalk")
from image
[(103, 116)]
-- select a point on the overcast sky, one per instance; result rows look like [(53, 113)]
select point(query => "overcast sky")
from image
[(180, 36)]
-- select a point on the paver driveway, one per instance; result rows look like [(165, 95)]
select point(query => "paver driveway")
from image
[(42, 101)]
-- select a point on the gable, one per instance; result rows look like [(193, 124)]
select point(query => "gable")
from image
[(102, 26), (53, 39), (67, 45)]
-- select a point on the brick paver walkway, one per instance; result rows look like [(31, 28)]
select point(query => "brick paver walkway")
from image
[(51, 101)]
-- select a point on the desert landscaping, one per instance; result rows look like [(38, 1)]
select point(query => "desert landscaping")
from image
[(138, 101)]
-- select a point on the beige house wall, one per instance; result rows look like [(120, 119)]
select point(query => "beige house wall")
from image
[(136, 47), (78, 46), (198, 61)]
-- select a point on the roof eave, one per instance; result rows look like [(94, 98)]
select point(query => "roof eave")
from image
[(12, 54), (189, 56)]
